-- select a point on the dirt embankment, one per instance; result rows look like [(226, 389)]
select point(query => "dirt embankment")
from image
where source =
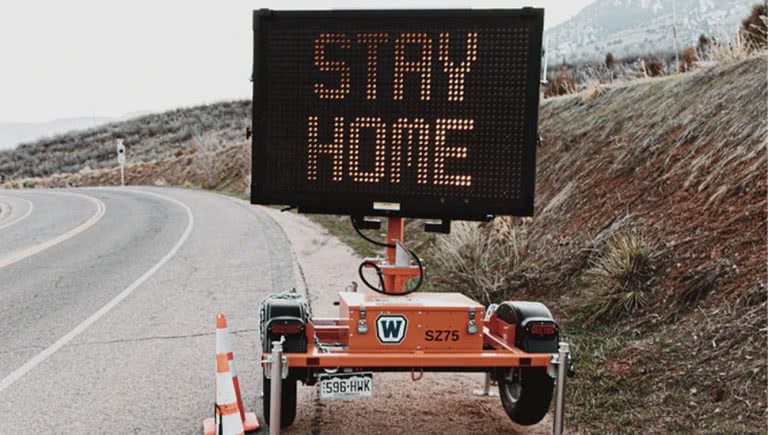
[(684, 156), (682, 161)]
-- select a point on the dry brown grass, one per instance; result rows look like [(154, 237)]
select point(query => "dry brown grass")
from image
[(592, 89), (207, 163), (481, 260), (755, 27), (652, 67), (689, 59), (633, 134), (750, 39), (697, 284), (732, 51), (563, 84)]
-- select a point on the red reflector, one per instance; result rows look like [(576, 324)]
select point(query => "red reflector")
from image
[(285, 329), (543, 329)]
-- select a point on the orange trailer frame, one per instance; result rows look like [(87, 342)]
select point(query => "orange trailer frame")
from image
[(330, 340)]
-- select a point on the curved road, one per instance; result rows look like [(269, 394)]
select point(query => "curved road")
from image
[(107, 325)]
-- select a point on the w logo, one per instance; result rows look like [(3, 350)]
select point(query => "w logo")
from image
[(391, 329)]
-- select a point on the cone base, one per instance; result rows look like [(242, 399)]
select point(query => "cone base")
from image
[(251, 422), (209, 426)]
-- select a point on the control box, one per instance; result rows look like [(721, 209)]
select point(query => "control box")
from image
[(444, 322)]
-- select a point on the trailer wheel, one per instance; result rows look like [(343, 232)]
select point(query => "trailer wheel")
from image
[(525, 393), (287, 400)]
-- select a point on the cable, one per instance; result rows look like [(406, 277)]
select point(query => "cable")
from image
[(365, 264), (368, 239)]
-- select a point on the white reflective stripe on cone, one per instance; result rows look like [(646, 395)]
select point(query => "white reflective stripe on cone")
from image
[(223, 345), (232, 367), (225, 389)]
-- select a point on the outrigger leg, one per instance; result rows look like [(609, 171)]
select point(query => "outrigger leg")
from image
[(562, 373), (277, 368)]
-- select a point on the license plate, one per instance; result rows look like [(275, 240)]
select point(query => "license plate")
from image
[(346, 386)]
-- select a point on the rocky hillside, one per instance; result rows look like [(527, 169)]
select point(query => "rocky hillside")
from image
[(639, 27)]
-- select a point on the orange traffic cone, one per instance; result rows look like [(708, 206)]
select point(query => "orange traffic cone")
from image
[(226, 419), (224, 346)]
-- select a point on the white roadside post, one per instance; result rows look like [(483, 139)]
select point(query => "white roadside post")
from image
[(562, 372), (121, 160)]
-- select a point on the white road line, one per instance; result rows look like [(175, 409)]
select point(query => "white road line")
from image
[(29, 212), (35, 249), (45, 354)]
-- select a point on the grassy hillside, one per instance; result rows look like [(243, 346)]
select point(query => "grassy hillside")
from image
[(152, 137), (649, 238), (650, 235)]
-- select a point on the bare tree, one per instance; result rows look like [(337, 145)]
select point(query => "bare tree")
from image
[(206, 161)]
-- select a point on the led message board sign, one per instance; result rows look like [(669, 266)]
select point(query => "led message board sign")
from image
[(428, 114)]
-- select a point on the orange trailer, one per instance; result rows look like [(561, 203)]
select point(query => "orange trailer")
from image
[(396, 330)]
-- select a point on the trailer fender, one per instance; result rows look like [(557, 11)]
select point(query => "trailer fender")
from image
[(535, 330)]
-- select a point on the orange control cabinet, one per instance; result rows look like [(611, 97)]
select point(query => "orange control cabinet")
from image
[(442, 322)]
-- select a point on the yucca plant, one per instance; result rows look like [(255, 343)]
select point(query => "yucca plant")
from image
[(619, 277)]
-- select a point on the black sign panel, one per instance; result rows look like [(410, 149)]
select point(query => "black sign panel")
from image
[(427, 114)]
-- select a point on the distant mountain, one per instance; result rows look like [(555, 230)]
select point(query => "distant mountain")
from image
[(637, 27), (14, 133)]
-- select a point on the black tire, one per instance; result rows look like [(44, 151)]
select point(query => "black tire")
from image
[(288, 401), (525, 393)]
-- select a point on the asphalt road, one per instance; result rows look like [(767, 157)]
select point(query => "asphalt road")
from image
[(107, 306)]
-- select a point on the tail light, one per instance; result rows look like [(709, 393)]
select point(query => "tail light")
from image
[(543, 329), (285, 328)]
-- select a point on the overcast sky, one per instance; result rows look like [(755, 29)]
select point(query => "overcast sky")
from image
[(73, 58)]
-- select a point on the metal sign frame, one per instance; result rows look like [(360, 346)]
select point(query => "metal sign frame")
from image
[(401, 205)]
